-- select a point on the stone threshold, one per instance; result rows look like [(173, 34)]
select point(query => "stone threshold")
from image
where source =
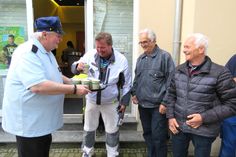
[(77, 136)]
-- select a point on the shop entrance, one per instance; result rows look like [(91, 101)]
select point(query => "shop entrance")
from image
[(71, 14)]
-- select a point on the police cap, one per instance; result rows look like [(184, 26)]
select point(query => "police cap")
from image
[(49, 24)]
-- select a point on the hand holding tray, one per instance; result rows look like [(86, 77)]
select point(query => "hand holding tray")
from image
[(101, 87)]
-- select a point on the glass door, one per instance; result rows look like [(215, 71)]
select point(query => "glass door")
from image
[(115, 17), (13, 22)]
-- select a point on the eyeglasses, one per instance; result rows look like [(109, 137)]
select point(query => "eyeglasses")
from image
[(144, 42)]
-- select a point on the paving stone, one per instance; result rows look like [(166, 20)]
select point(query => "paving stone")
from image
[(72, 150)]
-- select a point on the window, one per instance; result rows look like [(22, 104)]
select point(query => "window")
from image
[(13, 19), (116, 17)]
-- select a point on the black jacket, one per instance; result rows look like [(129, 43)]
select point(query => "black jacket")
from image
[(210, 92)]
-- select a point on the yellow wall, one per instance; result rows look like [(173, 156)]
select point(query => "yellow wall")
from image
[(158, 15), (187, 22), (216, 19)]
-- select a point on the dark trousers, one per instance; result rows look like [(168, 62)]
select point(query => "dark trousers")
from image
[(202, 145), (34, 147), (155, 131)]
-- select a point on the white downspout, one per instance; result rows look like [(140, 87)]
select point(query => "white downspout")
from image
[(177, 31)]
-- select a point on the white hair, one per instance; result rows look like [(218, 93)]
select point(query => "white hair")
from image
[(150, 33), (37, 35), (199, 40)]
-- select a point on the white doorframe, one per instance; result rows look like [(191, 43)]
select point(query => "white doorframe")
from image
[(30, 17), (89, 38), (134, 108)]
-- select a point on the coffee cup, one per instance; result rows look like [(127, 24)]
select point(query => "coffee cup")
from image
[(85, 82), (95, 84), (76, 81), (86, 69)]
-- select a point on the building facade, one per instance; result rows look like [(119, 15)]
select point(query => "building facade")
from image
[(171, 20)]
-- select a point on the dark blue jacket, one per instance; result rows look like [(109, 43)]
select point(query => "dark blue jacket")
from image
[(231, 65), (211, 92)]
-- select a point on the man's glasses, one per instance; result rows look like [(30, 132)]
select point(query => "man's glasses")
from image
[(144, 42)]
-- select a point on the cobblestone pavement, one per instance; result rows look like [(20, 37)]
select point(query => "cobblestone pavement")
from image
[(72, 150)]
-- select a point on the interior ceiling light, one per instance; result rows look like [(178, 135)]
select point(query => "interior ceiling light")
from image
[(69, 2)]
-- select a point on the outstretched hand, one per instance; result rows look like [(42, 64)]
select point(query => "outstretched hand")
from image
[(82, 90)]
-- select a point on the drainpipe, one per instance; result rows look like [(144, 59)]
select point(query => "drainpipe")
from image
[(177, 31)]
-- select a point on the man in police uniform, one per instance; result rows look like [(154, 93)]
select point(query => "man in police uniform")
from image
[(34, 91)]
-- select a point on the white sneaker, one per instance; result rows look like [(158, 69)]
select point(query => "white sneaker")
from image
[(86, 155), (112, 151), (87, 152)]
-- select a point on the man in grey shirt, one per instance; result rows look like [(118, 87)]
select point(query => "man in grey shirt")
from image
[(152, 73)]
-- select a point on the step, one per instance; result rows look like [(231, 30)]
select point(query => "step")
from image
[(72, 122), (77, 137), (75, 122), (72, 131), (74, 150)]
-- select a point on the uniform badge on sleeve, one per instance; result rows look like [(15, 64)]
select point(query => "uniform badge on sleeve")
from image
[(34, 49)]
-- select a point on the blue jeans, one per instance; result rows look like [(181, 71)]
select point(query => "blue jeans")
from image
[(202, 145), (228, 142), (155, 131)]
